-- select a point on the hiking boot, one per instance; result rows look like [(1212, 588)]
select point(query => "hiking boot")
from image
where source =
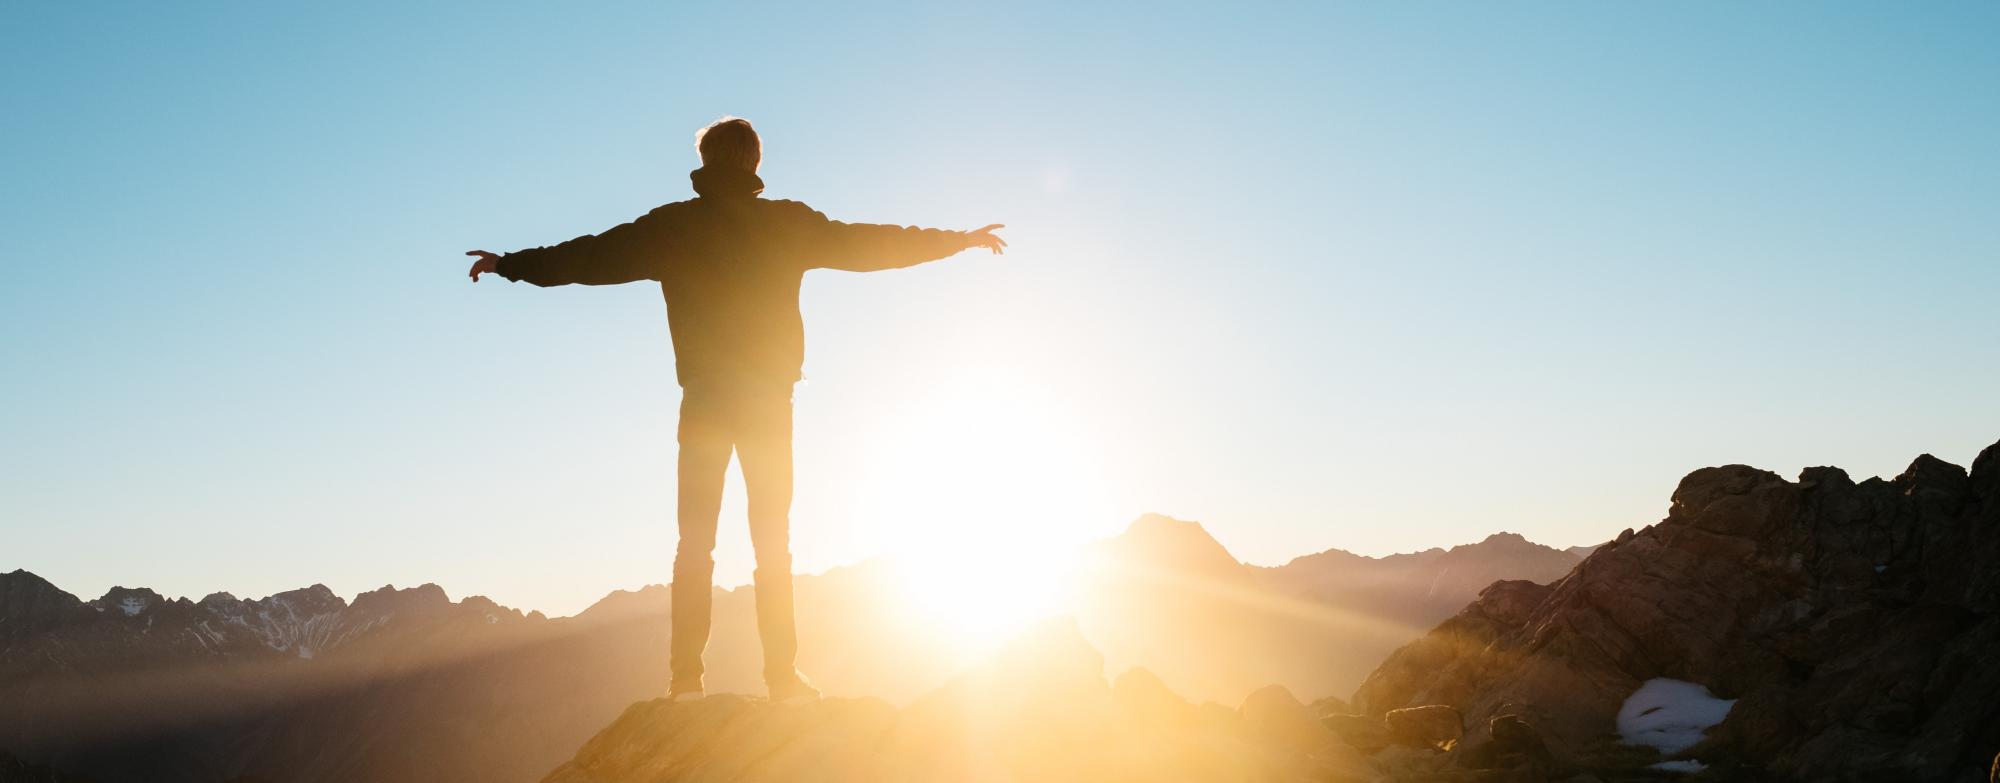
[(683, 691), (793, 689)]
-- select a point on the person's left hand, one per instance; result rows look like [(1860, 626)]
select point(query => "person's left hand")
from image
[(488, 263), (985, 238)]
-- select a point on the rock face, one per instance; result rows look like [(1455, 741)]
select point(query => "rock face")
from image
[(1856, 625)]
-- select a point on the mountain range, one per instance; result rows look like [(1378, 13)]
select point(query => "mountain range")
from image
[(407, 684), (1817, 629), (1168, 597)]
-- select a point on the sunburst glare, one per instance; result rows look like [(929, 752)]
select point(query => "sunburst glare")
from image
[(987, 489)]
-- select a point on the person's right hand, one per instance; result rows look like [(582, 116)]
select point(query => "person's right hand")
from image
[(488, 264), (985, 238)]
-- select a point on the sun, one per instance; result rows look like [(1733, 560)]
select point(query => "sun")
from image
[(987, 489)]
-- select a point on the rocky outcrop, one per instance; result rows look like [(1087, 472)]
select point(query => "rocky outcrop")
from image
[(1854, 624), (1513, 745), (1040, 710), (1435, 726)]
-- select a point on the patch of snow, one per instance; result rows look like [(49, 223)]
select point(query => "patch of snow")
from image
[(1881, 568), (490, 619), (132, 605), (207, 633), (305, 652), (282, 626), (1689, 766), (1670, 714)]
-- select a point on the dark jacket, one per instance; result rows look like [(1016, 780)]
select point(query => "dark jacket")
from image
[(730, 264)]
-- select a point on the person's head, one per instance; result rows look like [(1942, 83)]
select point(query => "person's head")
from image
[(729, 143)]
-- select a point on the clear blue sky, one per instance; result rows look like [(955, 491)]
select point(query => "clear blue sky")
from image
[(1377, 276)]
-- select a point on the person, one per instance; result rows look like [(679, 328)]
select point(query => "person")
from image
[(730, 264)]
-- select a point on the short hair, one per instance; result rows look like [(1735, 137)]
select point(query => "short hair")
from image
[(729, 142)]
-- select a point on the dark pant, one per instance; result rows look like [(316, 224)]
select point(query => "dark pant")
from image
[(757, 424)]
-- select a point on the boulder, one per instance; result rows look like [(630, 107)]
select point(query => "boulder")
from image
[(1040, 711), (1329, 705), (1358, 731), (1511, 743), (1431, 726)]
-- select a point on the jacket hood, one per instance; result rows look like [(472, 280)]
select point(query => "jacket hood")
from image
[(725, 183)]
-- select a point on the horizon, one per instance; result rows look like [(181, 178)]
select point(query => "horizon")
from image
[(892, 562), (876, 561), (1380, 279)]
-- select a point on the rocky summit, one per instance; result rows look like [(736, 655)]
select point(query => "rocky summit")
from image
[(1841, 631), (1039, 710)]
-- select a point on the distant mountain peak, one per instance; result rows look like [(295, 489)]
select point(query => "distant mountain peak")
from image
[(427, 597), (1163, 540), (1152, 523), (129, 601), (24, 581), (1503, 540), (621, 604), (1336, 554), (30, 605)]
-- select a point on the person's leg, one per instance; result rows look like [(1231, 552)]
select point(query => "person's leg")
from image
[(765, 451), (704, 458)]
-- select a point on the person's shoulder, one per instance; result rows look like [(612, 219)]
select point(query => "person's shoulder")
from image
[(790, 209), (674, 208)]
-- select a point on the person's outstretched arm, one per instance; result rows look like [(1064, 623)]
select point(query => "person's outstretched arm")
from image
[(867, 247), (623, 254)]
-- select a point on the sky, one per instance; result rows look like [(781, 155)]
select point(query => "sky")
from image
[(1374, 276)]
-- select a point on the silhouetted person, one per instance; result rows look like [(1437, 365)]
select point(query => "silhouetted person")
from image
[(730, 264)]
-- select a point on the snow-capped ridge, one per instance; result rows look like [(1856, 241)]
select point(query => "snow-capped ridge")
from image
[(305, 623), (127, 601)]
